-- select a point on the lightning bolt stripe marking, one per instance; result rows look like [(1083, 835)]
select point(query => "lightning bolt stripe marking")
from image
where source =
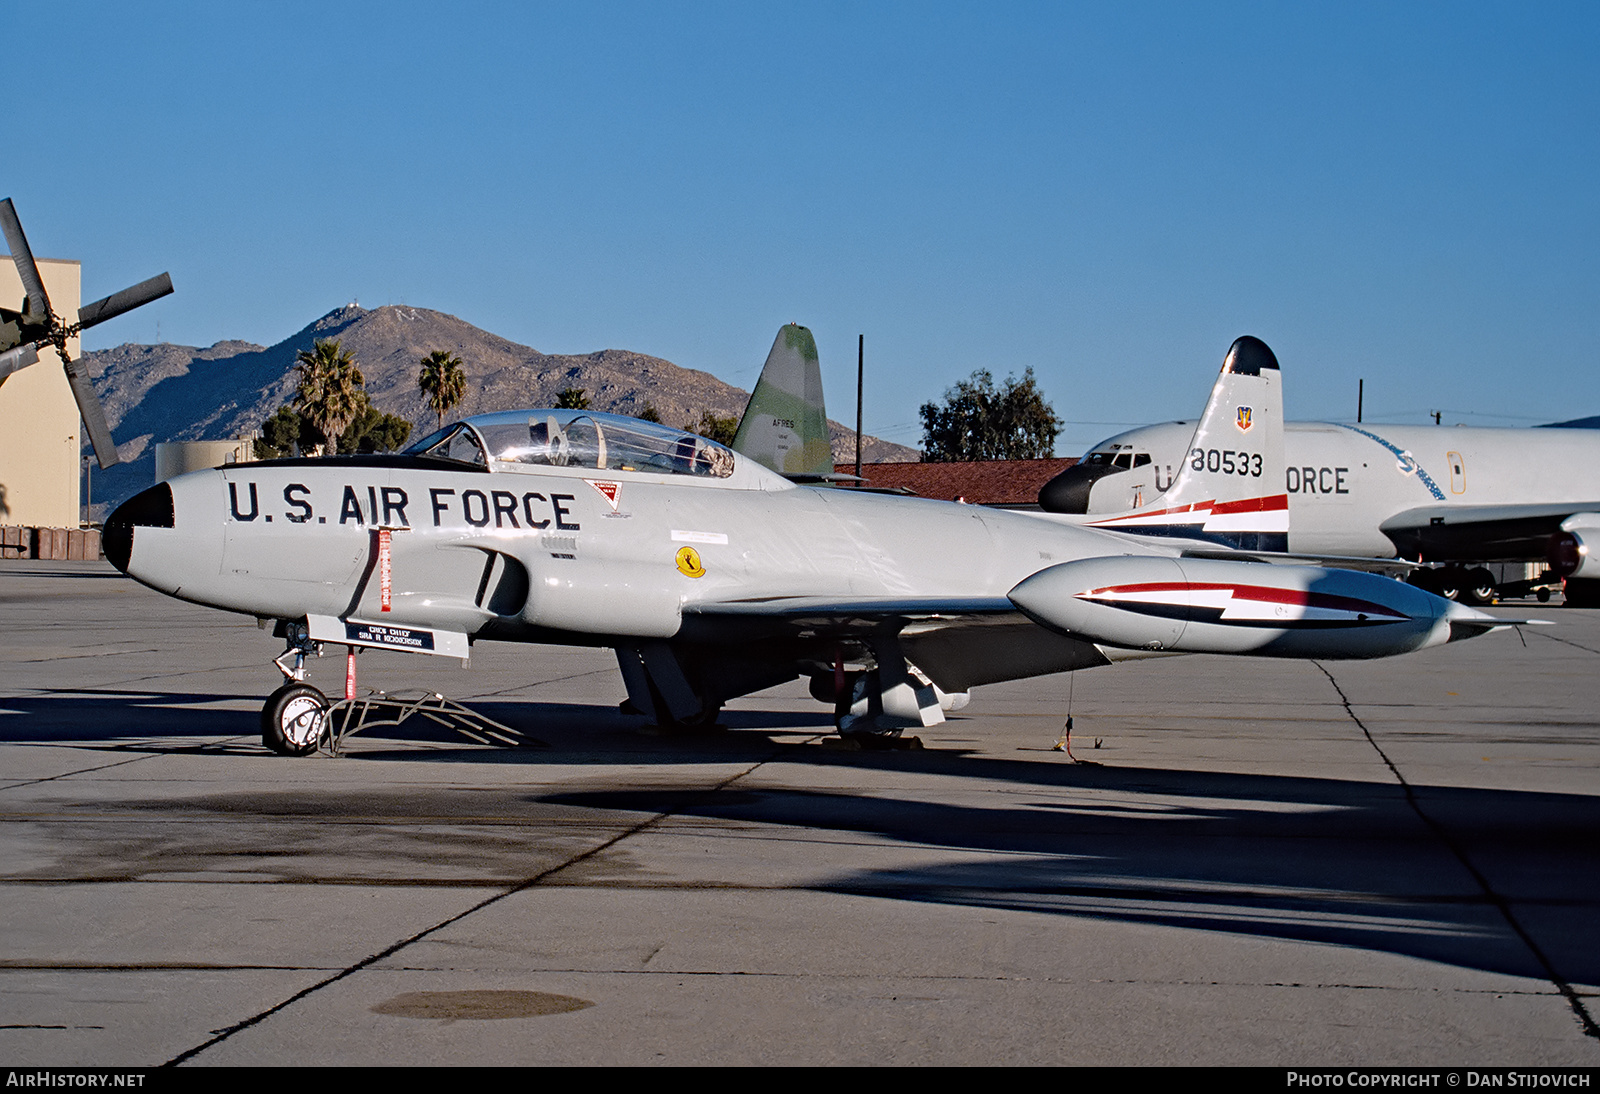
[(1273, 503), (1243, 605)]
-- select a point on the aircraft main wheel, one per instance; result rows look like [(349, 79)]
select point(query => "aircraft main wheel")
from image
[(1543, 594), (1447, 583), (1478, 587), (291, 722)]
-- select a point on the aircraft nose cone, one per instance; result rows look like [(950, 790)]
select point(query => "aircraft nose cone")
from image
[(1068, 492), (150, 508)]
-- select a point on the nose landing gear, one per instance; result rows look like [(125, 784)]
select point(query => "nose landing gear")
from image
[(294, 715), (292, 720), (298, 719)]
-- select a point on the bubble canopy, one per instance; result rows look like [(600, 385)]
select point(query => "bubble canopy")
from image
[(575, 438)]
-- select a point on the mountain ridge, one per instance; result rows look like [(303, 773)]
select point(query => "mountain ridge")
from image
[(168, 392)]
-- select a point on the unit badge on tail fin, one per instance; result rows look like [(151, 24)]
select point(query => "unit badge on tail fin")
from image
[(1230, 490)]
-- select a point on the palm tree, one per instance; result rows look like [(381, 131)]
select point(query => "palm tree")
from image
[(442, 381), (332, 390)]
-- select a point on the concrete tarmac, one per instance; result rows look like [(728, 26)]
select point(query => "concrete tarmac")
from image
[(1282, 863)]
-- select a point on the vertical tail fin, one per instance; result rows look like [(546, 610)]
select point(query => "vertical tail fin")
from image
[(1231, 488), (785, 426)]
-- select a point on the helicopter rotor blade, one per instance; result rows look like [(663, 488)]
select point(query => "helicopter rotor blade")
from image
[(27, 269), (94, 416), (14, 360), (124, 301)]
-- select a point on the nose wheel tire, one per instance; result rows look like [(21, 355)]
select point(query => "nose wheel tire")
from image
[(291, 722)]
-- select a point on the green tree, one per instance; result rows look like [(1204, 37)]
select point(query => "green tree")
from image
[(715, 427), (332, 390), (649, 414), (374, 431), (573, 398), (443, 382), (285, 434), (979, 421)]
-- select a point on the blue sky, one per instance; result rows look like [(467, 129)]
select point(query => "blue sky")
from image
[(1106, 193)]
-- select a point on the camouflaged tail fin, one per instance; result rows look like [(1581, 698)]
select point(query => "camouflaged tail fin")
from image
[(785, 426)]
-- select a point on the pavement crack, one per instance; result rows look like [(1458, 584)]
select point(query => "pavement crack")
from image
[(480, 696), (522, 886), (1566, 642), (1501, 904), (79, 771)]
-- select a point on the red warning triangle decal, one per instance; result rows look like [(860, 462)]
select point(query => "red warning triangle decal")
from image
[(608, 490)]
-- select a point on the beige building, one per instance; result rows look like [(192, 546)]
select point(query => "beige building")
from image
[(174, 458), (40, 461)]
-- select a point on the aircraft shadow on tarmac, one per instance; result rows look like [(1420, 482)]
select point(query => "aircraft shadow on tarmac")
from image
[(1339, 862), (171, 721), (1317, 860)]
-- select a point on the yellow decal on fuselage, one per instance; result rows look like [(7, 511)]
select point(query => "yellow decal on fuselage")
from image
[(689, 562)]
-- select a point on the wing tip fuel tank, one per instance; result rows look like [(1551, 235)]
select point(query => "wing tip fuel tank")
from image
[(1212, 606)]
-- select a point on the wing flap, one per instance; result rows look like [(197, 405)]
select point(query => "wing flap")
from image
[(904, 608)]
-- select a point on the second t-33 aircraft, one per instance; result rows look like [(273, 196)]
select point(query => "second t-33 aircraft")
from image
[(712, 576)]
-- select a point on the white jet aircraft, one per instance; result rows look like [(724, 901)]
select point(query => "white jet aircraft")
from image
[(1454, 496), (713, 577)]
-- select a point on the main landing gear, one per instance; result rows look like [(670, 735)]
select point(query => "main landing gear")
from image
[(1474, 585), (873, 707)]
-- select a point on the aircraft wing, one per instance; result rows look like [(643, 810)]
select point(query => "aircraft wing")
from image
[(959, 642), (815, 615), (1480, 532), (1394, 567)]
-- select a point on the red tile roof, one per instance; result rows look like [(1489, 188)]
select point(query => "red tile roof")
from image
[(1009, 483)]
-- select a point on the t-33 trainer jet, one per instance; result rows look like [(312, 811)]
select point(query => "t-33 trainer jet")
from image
[(712, 576)]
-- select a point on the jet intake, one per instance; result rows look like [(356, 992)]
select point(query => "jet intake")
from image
[(1572, 550), (1214, 606)]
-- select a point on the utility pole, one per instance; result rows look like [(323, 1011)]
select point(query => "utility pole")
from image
[(861, 363)]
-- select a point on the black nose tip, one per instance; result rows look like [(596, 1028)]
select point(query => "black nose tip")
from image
[(150, 508), (1069, 491)]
